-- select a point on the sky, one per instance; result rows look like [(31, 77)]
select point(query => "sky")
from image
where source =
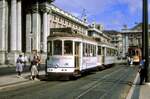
[(112, 14)]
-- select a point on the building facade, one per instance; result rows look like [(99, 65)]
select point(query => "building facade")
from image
[(63, 19), (132, 38), (96, 31), (117, 40), (25, 25)]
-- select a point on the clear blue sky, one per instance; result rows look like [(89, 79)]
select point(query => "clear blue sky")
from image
[(113, 14)]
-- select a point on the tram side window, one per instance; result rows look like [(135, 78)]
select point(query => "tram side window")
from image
[(84, 49), (91, 50), (57, 47), (94, 50), (49, 48), (88, 50), (111, 52), (108, 52), (99, 50), (68, 47), (137, 52), (116, 53)]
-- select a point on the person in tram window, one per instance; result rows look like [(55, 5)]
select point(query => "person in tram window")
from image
[(142, 71)]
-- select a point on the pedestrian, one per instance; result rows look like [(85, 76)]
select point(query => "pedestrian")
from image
[(33, 68), (25, 61), (46, 63), (142, 71), (38, 58), (129, 60), (19, 66)]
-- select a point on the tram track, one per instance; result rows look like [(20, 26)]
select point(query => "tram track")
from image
[(97, 83), (121, 77), (112, 84)]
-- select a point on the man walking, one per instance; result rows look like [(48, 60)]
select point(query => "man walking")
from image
[(142, 71)]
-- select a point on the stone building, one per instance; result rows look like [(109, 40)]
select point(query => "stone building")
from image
[(25, 25), (132, 37), (96, 31), (117, 40), (63, 19)]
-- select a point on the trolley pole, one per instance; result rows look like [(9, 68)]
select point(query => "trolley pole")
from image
[(145, 36)]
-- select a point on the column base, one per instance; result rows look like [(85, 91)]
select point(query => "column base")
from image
[(2, 57), (12, 57), (43, 57)]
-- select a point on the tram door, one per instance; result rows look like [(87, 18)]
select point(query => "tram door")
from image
[(77, 54)]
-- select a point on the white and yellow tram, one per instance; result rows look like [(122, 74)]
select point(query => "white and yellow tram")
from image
[(69, 53)]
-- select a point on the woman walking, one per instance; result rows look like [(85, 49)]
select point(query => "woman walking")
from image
[(19, 66), (34, 70)]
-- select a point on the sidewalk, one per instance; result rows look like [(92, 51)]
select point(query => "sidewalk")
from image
[(12, 80), (10, 69), (139, 91)]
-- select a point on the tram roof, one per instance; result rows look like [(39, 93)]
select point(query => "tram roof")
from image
[(68, 32)]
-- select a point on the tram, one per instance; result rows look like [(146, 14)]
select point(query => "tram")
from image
[(70, 53), (135, 54)]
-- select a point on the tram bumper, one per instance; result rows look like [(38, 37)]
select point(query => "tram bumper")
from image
[(60, 71), (51, 74)]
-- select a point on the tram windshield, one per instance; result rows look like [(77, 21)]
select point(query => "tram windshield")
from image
[(57, 47), (131, 52), (68, 47), (49, 48)]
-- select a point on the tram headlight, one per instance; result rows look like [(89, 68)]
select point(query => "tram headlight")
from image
[(49, 65), (50, 69)]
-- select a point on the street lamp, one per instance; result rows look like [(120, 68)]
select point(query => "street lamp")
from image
[(145, 52)]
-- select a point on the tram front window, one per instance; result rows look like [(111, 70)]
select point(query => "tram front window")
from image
[(68, 47), (57, 47), (49, 48)]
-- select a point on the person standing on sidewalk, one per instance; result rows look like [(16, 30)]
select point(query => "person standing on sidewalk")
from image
[(142, 71), (25, 61), (34, 70), (129, 60), (19, 65), (38, 64)]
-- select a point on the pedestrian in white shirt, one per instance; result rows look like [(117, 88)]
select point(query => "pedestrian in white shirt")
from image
[(19, 65)]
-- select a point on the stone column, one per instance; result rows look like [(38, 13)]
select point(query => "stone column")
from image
[(13, 54), (2, 31), (48, 22), (28, 32), (45, 31), (13, 27), (19, 28), (36, 28)]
